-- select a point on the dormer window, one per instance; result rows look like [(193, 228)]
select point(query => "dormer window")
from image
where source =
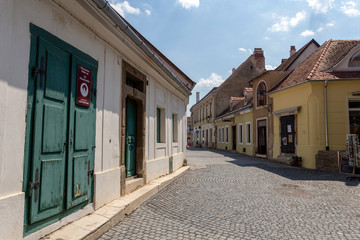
[(261, 94), (355, 60)]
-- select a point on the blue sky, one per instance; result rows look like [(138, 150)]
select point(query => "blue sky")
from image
[(207, 38)]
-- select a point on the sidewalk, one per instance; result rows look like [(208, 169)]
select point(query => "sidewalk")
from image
[(95, 224)]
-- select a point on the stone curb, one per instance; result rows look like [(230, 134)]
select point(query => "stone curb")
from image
[(100, 221)]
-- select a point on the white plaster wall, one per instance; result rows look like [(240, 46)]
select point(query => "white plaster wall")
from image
[(104, 194), (12, 216), (67, 23), (156, 168)]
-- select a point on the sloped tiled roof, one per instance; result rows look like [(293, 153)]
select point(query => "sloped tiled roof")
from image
[(314, 67), (207, 95), (287, 63), (237, 108)]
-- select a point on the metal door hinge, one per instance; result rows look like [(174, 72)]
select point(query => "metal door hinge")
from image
[(32, 185), (36, 70), (35, 185)]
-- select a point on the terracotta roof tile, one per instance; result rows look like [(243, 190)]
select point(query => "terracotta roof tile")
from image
[(324, 58)]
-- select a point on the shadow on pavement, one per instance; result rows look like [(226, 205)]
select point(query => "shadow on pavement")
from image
[(286, 171)]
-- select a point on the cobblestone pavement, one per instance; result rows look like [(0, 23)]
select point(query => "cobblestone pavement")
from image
[(231, 196)]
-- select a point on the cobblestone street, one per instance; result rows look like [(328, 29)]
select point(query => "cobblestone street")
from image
[(232, 196)]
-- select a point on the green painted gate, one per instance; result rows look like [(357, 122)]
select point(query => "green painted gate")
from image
[(60, 134), (130, 136)]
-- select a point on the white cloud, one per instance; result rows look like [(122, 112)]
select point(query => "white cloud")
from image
[(330, 25), (242, 49), (307, 33), (207, 84), (269, 67), (267, 38), (286, 23), (187, 4), (349, 8), (148, 12), (320, 29), (124, 7), (321, 6)]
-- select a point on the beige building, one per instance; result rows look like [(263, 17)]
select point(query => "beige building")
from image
[(262, 129), (216, 102)]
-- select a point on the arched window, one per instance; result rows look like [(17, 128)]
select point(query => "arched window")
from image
[(355, 60), (261, 94)]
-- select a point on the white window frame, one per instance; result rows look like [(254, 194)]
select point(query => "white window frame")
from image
[(240, 131), (248, 133)]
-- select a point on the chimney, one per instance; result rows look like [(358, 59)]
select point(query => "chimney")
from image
[(197, 97), (283, 60), (233, 70), (259, 58), (292, 50)]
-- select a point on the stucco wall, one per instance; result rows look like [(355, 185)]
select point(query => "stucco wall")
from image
[(68, 23), (244, 118), (309, 121)]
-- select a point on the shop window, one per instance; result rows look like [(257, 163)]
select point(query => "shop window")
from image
[(355, 60), (261, 94), (354, 117)]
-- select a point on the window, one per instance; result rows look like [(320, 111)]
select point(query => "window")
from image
[(227, 134), (222, 134), (240, 133), (210, 108), (355, 60), (175, 127), (354, 116), (160, 125), (219, 135), (248, 133), (261, 94)]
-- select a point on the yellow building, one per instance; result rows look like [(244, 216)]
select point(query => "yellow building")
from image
[(318, 103), (234, 127)]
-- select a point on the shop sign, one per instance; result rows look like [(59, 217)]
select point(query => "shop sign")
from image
[(83, 86)]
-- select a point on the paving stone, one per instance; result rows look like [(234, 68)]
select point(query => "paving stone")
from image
[(233, 196)]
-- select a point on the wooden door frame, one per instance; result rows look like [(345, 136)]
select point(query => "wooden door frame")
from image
[(140, 98), (257, 134)]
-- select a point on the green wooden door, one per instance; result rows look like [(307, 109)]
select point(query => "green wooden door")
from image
[(130, 137), (81, 139), (60, 134), (50, 132)]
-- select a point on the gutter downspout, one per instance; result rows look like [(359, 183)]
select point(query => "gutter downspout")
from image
[(326, 118), (104, 6)]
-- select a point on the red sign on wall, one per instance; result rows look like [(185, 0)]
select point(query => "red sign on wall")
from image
[(83, 86)]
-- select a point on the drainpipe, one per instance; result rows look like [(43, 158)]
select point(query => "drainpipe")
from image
[(326, 118)]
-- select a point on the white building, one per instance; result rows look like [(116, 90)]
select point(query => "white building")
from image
[(86, 105)]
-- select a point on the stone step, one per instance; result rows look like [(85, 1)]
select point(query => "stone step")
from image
[(284, 159), (132, 184)]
